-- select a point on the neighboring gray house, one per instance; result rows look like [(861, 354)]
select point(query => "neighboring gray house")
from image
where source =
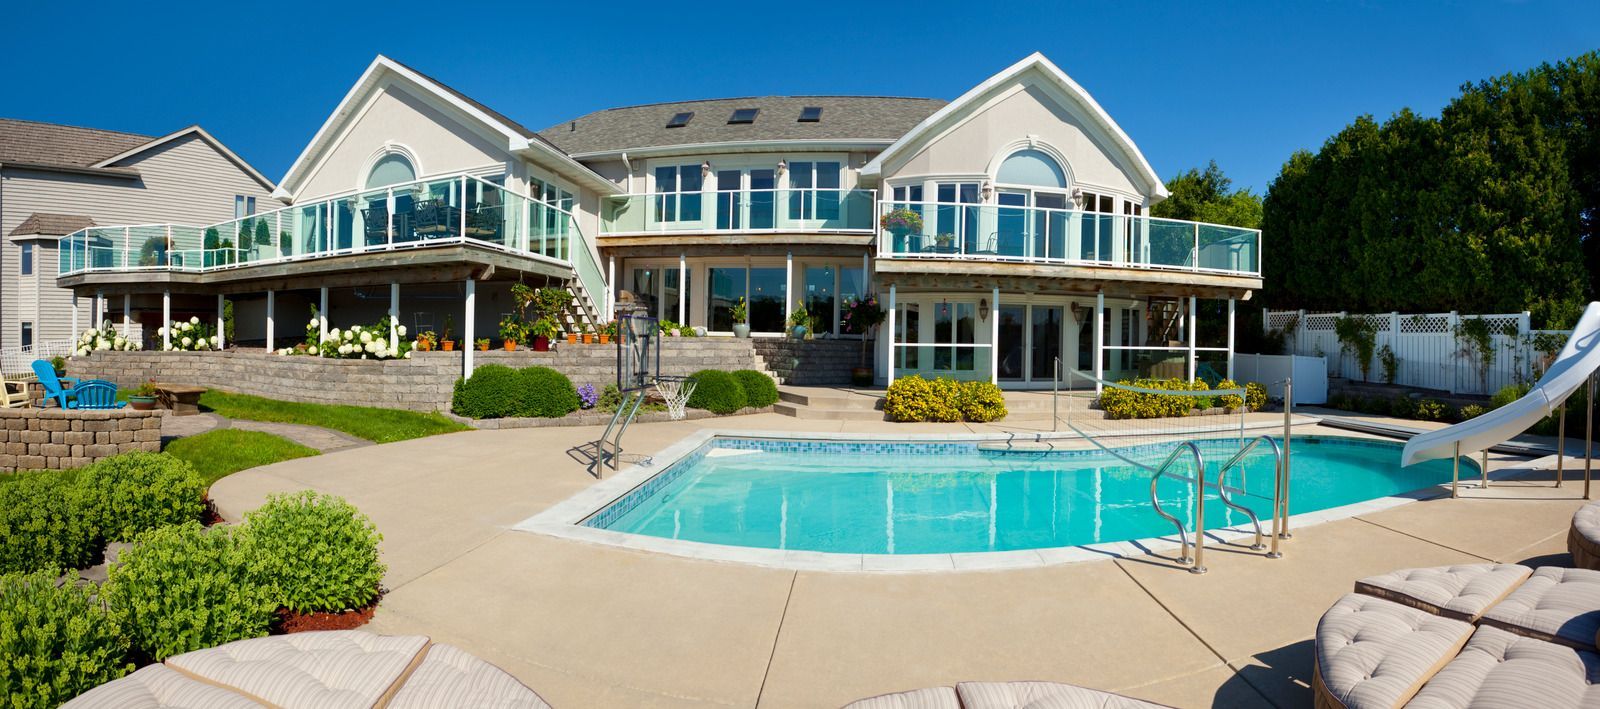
[(57, 179)]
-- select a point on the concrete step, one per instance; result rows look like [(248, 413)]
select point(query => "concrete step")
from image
[(826, 414)]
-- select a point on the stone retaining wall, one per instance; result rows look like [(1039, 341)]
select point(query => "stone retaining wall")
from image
[(56, 439), (811, 362), (422, 383)]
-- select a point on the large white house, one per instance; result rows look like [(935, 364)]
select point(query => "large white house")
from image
[(1019, 227)]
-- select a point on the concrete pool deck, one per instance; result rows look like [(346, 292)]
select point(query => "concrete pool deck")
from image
[(592, 625)]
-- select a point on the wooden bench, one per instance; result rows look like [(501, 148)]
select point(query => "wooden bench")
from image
[(181, 399)]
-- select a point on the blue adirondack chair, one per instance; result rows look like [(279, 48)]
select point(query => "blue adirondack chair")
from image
[(53, 389), (95, 394)]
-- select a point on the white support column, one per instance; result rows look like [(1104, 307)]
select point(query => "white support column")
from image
[(683, 288), (272, 312), (866, 276), (1099, 338), (1192, 334), (394, 320), (222, 338), (611, 289), (75, 330), (994, 336), (1230, 338), (788, 287), (99, 310), (892, 333), (322, 319), (127, 313), (470, 317), (166, 319)]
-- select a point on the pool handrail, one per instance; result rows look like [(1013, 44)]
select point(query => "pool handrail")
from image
[(1222, 490), (1196, 562)]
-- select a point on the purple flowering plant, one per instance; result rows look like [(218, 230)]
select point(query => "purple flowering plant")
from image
[(587, 396)]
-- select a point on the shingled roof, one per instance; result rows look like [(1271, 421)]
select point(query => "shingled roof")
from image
[(33, 143), (844, 118), (42, 224)]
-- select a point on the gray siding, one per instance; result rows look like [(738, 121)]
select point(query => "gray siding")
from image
[(186, 181)]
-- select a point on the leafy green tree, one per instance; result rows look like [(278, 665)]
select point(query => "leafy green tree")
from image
[(1207, 196)]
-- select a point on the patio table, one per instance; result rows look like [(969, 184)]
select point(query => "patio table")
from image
[(181, 399)]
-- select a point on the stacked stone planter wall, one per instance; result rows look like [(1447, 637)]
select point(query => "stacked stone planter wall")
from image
[(422, 383), (811, 362), (56, 439)]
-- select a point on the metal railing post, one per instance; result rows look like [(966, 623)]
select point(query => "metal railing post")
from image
[(1588, 439), (1280, 529), (1199, 566), (1483, 469), (1055, 396), (1455, 471), (1561, 443)]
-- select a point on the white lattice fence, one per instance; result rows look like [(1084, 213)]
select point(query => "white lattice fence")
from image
[(1425, 344)]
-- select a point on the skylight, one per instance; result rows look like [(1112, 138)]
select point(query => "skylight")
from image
[(743, 115), (811, 114), (680, 120)]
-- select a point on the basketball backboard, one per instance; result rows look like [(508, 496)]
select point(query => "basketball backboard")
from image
[(638, 352)]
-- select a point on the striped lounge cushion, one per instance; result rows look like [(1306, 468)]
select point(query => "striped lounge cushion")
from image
[(449, 676), (1375, 653), (929, 698), (1462, 592), (160, 687), (335, 669), (1501, 669), (1041, 695), (1556, 605)]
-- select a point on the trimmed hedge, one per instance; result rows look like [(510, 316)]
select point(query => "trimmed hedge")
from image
[(1255, 396), (497, 391), (717, 391), (185, 587), (318, 552), (41, 526), (945, 400), (57, 641), (759, 389), (135, 492)]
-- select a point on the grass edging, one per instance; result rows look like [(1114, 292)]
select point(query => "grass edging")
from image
[(222, 452), (366, 422), (591, 418)]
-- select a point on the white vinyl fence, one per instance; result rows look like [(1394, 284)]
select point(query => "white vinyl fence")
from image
[(1429, 354), (1310, 375)]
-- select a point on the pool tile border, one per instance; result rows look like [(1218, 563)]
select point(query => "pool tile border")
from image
[(568, 519)]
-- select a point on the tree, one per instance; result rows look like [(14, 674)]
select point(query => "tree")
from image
[(1205, 196)]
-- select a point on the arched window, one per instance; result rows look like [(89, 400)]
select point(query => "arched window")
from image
[(391, 169), (1031, 167)]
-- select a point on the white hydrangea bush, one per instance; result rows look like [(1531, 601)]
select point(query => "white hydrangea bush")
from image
[(190, 336), (354, 342), (104, 339)]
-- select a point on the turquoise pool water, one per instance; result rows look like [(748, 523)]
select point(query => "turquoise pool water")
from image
[(909, 498)]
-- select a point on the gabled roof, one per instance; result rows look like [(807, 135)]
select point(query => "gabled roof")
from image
[(518, 137), (845, 119), (42, 224), (194, 130), (36, 143), (1033, 64)]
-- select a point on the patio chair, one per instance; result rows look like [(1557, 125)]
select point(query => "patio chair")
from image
[(53, 389), (95, 394), (14, 392), (375, 220)]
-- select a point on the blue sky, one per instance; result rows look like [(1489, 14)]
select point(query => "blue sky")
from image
[(1242, 83)]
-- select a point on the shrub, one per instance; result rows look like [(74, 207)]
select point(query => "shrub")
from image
[(134, 492), (488, 394), (544, 393), (1402, 407), (1472, 411), (317, 552), (717, 391), (1124, 404), (1508, 394), (1231, 402), (1255, 396), (184, 588), (41, 525), (759, 389), (916, 399), (982, 402), (1430, 410), (58, 641)]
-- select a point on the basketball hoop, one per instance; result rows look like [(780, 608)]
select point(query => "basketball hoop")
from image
[(675, 391)]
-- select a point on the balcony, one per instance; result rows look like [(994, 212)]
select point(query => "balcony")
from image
[(443, 211), (994, 233), (743, 211)]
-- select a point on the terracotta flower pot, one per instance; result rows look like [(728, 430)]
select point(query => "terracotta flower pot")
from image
[(605, 339), (483, 347), (572, 338), (541, 344), (588, 339), (141, 403), (511, 345), (449, 345)]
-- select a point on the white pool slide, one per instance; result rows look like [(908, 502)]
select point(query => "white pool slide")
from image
[(1572, 367)]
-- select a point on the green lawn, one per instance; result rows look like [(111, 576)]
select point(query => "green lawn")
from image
[(374, 424), (217, 454)]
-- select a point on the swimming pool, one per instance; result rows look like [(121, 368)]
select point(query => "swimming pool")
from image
[(958, 497)]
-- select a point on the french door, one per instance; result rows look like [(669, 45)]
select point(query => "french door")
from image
[(1030, 341)]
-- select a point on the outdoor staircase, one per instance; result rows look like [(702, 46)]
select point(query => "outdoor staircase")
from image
[(1165, 314), (583, 311)]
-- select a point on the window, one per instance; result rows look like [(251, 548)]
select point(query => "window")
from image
[(678, 193), (953, 324), (762, 289), (821, 296), (27, 259), (27, 335), (243, 206), (810, 114), (391, 169), (680, 120), (1031, 167), (814, 190), (743, 115), (960, 222)]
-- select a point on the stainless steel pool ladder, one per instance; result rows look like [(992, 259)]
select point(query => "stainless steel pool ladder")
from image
[(1196, 561), (1277, 470), (608, 450)]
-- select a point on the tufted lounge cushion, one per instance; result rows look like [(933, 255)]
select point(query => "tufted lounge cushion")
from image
[(332, 669), (1558, 605), (160, 687), (1376, 653), (1583, 540), (449, 676), (1462, 592), (929, 698), (1041, 695), (1501, 669)]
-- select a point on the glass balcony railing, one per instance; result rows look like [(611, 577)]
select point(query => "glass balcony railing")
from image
[(442, 211), (787, 210), (987, 232)]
